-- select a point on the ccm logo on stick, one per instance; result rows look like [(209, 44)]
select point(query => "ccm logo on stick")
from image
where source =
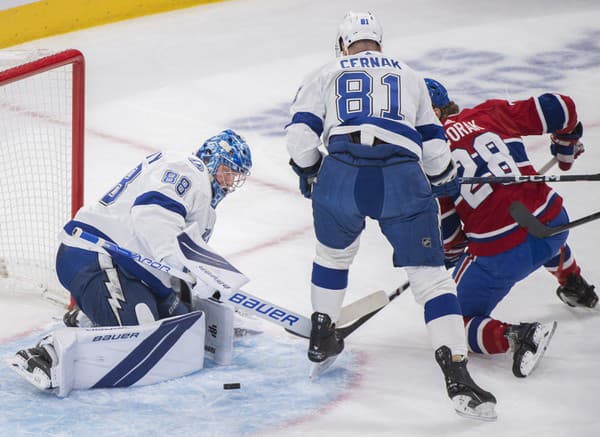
[(263, 308)]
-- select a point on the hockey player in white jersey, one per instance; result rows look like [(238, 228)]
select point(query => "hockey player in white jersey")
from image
[(387, 159), (144, 212)]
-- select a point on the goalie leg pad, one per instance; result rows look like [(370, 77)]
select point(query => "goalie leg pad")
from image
[(125, 356)]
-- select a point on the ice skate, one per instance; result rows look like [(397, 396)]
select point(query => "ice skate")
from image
[(34, 365), (577, 292), (529, 342), (324, 346), (469, 399)]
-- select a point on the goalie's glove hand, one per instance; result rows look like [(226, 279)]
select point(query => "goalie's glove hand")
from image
[(455, 250), (566, 147), (446, 183), (171, 306), (307, 175)]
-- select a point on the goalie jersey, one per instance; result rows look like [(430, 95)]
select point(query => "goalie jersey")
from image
[(147, 209), (486, 141)]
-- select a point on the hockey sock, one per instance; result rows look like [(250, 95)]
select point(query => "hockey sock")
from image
[(563, 265), (486, 335)]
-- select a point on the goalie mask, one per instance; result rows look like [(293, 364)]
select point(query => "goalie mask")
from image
[(228, 160), (355, 27)]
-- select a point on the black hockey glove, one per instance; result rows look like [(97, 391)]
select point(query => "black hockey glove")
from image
[(307, 175)]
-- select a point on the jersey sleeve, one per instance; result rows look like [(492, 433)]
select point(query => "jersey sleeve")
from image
[(303, 133), (547, 113), (176, 194), (436, 151)]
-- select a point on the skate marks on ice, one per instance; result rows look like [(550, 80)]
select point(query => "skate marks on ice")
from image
[(274, 391)]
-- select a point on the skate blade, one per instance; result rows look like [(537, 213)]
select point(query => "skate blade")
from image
[(534, 360), (485, 411), (317, 369), (38, 379)]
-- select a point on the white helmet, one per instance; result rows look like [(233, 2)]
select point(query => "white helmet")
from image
[(355, 27)]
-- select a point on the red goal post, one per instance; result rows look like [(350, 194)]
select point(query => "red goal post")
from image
[(41, 163)]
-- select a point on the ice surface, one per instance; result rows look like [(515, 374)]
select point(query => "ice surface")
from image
[(171, 80)]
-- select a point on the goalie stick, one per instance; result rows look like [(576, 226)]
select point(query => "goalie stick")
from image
[(246, 302), (527, 220)]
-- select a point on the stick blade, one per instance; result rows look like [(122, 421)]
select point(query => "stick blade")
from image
[(527, 220)]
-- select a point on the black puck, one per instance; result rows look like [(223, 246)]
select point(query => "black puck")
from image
[(231, 386)]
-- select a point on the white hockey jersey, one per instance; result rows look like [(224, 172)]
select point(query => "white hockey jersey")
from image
[(148, 208), (373, 94)]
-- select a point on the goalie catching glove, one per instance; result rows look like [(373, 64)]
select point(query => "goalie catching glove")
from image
[(566, 147)]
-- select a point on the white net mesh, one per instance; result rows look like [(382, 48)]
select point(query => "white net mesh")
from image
[(35, 172)]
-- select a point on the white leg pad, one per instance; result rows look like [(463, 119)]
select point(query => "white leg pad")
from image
[(128, 355)]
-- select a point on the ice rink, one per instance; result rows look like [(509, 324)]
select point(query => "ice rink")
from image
[(171, 80)]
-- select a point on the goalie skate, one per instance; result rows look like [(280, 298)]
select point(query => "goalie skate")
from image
[(34, 365), (529, 342), (469, 399)]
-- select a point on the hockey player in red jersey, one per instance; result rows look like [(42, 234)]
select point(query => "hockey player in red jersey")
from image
[(482, 242)]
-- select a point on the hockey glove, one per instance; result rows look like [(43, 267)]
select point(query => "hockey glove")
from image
[(307, 175), (446, 183), (454, 250), (567, 147), (171, 306)]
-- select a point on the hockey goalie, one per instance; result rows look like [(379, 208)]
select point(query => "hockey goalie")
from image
[(118, 258)]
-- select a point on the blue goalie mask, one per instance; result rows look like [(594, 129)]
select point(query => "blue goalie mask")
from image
[(228, 160), (437, 92)]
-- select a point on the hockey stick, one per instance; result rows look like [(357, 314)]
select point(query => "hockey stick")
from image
[(317, 368), (526, 219), (289, 320), (530, 178), (547, 166), (345, 331), (362, 306)]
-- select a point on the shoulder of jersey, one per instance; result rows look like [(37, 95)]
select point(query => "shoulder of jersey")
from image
[(183, 159)]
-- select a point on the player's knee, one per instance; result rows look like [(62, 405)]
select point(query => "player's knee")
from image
[(428, 283), (339, 259)]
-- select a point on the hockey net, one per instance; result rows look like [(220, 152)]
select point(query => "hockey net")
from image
[(41, 164)]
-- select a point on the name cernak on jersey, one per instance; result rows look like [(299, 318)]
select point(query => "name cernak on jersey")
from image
[(370, 62), (461, 129)]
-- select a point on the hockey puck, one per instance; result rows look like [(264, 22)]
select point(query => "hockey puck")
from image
[(231, 386)]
